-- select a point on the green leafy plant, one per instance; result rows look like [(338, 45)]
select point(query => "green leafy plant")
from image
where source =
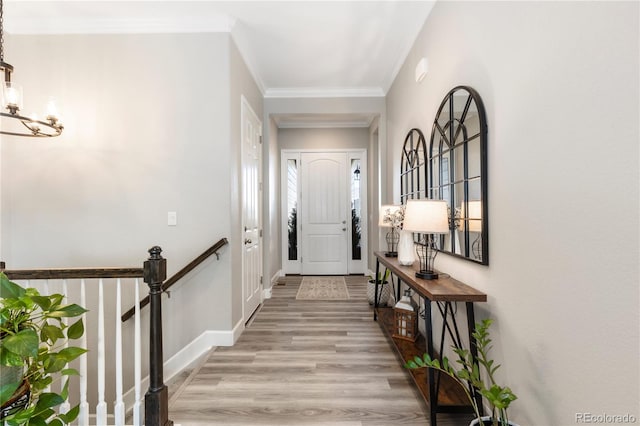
[(32, 339), (382, 277), (498, 397)]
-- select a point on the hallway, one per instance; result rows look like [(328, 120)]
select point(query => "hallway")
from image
[(305, 363)]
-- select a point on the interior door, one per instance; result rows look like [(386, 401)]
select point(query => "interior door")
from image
[(324, 213), (251, 210)]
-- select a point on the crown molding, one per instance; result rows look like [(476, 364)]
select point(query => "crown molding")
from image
[(204, 24), (314, 92)]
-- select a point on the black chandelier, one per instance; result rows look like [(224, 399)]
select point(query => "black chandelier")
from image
[(13, 122)]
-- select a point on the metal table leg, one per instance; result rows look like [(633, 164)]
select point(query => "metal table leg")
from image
[(433, 396)]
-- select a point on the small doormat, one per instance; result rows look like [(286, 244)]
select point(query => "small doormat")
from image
[(323, 288)]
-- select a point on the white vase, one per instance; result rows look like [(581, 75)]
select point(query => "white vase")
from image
[(406, 252)]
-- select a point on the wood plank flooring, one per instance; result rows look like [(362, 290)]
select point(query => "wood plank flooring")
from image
[(304, 362)]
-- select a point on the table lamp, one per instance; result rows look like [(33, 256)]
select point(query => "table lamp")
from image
[(390, 217), (427, 217)]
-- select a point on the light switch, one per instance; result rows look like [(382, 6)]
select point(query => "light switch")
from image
[(172, 218)]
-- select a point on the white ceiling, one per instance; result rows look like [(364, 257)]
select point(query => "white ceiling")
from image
[(293, 48)]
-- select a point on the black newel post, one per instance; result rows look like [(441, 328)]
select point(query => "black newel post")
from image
[(156, 402)]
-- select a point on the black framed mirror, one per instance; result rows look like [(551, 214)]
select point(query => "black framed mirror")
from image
[(413, 167), (457, 160)]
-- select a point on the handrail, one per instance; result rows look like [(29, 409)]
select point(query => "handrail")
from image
[(72, 273), (181, 273)]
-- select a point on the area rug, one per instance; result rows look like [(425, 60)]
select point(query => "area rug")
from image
[(323, 288)]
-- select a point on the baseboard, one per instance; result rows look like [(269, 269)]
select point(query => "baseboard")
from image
[(276, 277), (188, 355)]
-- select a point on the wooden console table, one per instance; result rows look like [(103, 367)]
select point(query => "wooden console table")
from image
[(441, 393)]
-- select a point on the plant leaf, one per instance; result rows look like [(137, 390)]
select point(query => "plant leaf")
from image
[(48, 400), (70, 372), (24, 343), (42, 301), (72, 310), (71, 415), (51, 333), (71, 353), (9, 289), (76, 330), (7, 390)]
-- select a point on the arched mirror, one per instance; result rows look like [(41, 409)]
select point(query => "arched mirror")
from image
[(413, 167), (457, 159)]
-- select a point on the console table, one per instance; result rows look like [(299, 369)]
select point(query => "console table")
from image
[(441, 393)]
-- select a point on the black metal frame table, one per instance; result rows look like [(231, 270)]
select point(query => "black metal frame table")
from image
[(444, 293)]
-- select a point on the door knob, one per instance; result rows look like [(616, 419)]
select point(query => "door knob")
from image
[(247, 241)]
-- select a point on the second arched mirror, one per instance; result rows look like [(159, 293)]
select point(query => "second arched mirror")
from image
[(458, 173)]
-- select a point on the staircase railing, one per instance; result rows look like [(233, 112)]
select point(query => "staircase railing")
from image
[(153, 273), (181, 273)]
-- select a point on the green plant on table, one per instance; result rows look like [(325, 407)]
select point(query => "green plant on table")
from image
[(34, 338), (498, 397)]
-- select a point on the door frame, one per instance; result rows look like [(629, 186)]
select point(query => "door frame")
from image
[(294, 267)]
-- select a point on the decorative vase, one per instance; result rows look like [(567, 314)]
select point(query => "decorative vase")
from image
[(384, 292), (406, 253)]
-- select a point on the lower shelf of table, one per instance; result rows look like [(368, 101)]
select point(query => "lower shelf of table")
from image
[(451, 396)]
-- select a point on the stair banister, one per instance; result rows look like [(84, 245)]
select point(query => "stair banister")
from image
[(156, 399)]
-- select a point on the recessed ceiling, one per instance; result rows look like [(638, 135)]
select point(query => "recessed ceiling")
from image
[(293, 48)]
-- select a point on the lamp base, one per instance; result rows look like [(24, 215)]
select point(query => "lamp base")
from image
[(391, 254), (427, 275)]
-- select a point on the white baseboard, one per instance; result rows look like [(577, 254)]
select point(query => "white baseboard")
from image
[(188, 355), (275, 277)]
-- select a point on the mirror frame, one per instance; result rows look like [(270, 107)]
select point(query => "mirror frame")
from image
[(444, 130), (413, 167)]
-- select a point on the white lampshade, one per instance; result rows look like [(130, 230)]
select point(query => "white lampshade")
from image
[(387, 209), (426, 216)]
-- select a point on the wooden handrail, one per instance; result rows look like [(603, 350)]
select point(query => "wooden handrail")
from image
[(72, 273), (181, 273)]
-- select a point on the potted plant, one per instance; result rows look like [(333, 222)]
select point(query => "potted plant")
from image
[(498, 397), (384, 290), (33, 354)]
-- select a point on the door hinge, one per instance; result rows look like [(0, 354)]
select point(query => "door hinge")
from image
[(260, 280), (261, 233), (260, 138)]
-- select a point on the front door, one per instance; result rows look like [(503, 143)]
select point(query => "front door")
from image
[(323, 214), (251, 210)]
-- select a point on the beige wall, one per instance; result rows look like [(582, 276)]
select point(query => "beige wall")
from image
[(559, 81), (331, 138), (134, 148)]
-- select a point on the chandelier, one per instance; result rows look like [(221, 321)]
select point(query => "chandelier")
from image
[(13, 122)]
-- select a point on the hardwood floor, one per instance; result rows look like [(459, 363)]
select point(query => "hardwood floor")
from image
[(304, 362)]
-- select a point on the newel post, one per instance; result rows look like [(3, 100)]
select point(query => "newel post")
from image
[(156, 402)]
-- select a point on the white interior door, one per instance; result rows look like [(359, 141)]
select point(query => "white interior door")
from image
[(323, 213), (251, 210)]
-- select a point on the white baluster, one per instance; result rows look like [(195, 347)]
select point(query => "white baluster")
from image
[(119, 405), (137, 414), (83, 417), (101, 408), (65, 406), (45, 292)]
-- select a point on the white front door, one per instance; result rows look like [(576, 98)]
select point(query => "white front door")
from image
[(251, 210), (323, 214)]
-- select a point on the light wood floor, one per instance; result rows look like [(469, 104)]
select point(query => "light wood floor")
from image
[(305, 363)]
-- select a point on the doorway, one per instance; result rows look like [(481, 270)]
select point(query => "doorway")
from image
[(324, 204)]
